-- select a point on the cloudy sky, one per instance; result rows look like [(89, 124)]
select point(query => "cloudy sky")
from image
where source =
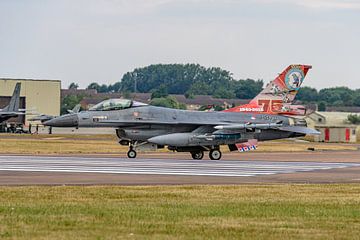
[(99, 40)]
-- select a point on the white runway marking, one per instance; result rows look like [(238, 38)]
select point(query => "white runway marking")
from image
[(159, 166)]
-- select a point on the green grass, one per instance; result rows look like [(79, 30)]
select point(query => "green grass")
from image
[(181, 212)]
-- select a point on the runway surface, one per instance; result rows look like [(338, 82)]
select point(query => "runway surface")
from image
[(99, 165)]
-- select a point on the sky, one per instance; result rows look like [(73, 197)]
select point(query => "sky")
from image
[(86, 41)]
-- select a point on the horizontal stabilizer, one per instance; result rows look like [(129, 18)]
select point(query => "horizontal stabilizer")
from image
[(299, 129)]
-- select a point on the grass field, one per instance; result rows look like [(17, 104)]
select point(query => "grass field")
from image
[(181, 212), (100, 144)]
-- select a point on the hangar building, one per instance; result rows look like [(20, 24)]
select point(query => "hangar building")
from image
[(38, 96), (333, 127)]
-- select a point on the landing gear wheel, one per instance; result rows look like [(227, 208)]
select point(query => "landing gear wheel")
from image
[(131, 154), (197, 155), (215, 154)]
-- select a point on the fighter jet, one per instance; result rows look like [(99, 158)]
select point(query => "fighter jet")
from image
[(12, 110), (141, 126), (44, 117)]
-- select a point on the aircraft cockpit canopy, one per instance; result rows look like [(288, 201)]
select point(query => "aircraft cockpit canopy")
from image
[(115, 104)]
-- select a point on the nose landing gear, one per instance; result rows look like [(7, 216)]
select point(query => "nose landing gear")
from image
[(131, 153)]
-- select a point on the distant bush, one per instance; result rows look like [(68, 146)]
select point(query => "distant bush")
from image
[(168, 102), (354, 118)]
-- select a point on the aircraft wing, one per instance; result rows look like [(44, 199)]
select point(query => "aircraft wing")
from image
[(216, 125), (277, 126), (299, 129), (11, 113)]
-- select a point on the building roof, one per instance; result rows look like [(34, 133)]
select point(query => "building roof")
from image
[(343, 109), (333, 119), (28, 79), (85, 92)]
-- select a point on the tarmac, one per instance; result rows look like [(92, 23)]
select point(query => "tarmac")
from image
[(165, 168)]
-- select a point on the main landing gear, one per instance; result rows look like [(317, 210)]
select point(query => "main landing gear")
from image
[(214, 154), (197, 155)]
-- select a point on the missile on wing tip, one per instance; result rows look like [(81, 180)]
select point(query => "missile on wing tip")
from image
[(244, 126)]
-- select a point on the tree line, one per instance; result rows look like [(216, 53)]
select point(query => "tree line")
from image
[(187, 79), (336, 96)]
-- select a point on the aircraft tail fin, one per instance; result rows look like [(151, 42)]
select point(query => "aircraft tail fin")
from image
[(286, 85), (76, 109), (15, 100), (277, 97)]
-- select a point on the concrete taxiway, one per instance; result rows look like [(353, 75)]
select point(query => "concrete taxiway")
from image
[(23, 170)]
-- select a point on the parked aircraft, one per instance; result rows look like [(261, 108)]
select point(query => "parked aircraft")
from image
[(44, 117), (141, 126), (279, 94), (12, 109)]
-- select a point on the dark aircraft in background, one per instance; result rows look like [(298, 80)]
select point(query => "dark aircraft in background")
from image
[(12, 110), (44, 117), (141, 126), (278, 96)]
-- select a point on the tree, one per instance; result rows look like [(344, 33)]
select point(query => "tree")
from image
[(307, 94), (354, 119), (94, 85), (191, 80), (223, 93), (322, 107), (198, 88), (248, 89), (69, 102), (161, 92), (103, 88), (73, 86), (356, 98), (178, 79), (168, 102), (116, 87), (337, 96)]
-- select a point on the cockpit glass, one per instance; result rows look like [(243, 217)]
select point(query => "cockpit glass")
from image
[(112, 104)]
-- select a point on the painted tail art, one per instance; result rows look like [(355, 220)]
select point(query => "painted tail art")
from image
[(277, 97)]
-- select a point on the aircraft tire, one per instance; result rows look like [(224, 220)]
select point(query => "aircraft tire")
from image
[(215, 154), (131, 154), (197, 155)]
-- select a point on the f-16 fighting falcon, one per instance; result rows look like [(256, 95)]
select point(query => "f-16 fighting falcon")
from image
[(12, 110), (141, 126), (44, 117)]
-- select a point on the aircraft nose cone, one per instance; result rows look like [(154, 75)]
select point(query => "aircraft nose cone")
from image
[(68, 120)]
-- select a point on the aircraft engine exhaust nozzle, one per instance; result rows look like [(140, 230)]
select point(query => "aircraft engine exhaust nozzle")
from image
[(68, 120)]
